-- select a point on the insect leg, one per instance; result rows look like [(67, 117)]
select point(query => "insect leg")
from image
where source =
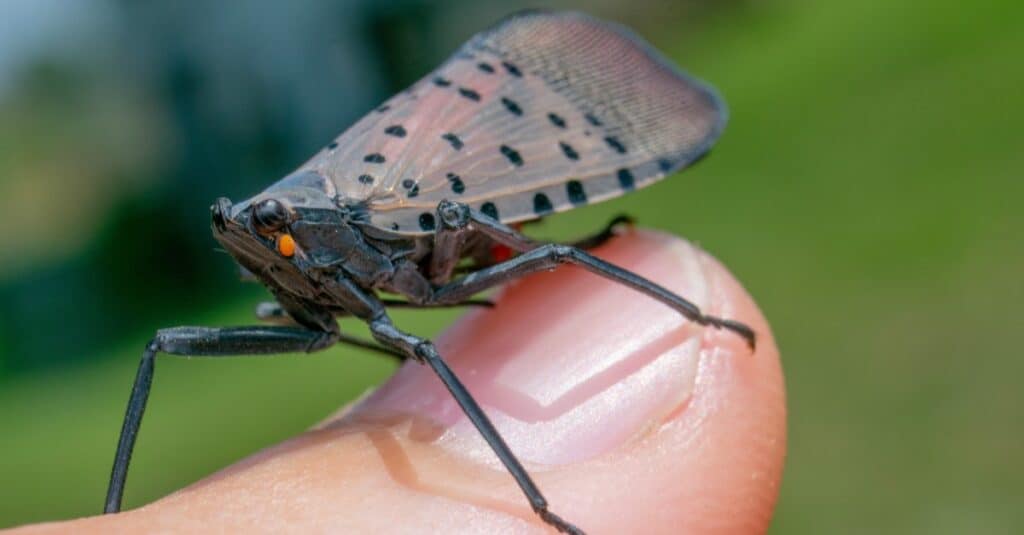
[(509, 236), (199, 341), (598, 238), (500, 232), (449, 238), (354, 341), (552, 255), (273, 312), (424, 351), (398, 303), (605, 234)]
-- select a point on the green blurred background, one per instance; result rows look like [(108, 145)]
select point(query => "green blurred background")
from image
[(868, 191)]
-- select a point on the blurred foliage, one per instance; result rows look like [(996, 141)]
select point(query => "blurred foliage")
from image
[(867, 191)]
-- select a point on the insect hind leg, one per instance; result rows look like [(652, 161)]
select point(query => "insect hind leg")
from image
[(608, 232), (539, 257), (553, 255)]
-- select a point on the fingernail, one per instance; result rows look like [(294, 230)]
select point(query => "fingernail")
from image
[(567, 365)]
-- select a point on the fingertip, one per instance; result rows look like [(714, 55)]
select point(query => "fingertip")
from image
[(714, 463), (628, 416)]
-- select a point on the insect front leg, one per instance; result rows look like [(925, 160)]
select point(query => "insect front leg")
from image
[(425, 352), (199, 342)]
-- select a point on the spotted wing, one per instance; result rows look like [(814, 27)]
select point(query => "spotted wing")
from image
[(541, 113)]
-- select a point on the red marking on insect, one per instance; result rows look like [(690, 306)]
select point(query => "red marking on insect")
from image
[(500, 252)]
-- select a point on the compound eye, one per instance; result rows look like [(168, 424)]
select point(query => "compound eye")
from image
[(269, 216)]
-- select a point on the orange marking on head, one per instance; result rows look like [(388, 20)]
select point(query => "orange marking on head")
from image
[(286, 245)]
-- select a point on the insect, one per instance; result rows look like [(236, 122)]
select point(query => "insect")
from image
[(541, 113)]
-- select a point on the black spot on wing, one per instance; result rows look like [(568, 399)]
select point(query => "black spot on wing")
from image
[(412, 189), (332, 145), (556, 120), (626, 180), (569, 151), (512, 106), (365, 179), (458, 186), (395, 130), (442, 82), (592, 119), (489, 209), (485, 67), (512, 69), (664, 165), (542, 204), (574, 189), (375, 157), (427, 221), (383, 108), (453, 139), (513, 155), (470, 94), (615, 144)]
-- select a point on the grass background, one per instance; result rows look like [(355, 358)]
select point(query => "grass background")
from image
[(868, 193)]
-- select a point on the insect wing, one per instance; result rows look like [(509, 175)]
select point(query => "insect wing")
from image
[(539, 114)]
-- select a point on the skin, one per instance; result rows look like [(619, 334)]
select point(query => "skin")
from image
[(629, 418)]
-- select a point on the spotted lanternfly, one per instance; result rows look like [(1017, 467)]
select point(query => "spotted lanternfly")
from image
[(542, 113)]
